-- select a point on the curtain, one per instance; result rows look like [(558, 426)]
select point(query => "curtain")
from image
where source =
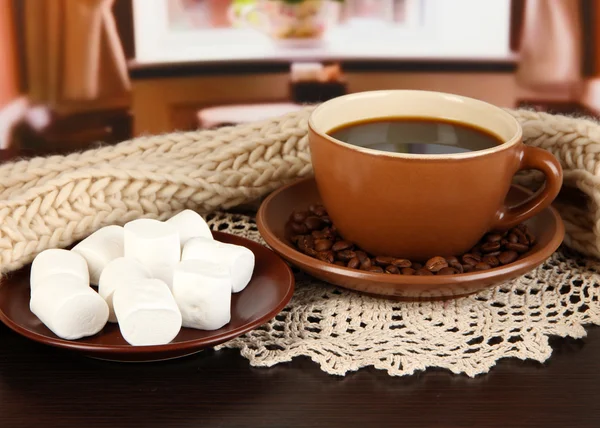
[(9, 77), (551, 45), (73, 53)]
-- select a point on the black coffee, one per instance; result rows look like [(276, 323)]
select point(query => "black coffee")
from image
[(415, 135)]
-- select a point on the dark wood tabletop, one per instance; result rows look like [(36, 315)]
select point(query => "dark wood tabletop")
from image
[(46, 387), (41, 386)]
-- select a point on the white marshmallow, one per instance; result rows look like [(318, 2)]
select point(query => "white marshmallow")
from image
[(100, 248), (165, 274), (202, 291), (55, 261), (239, 259), (154, 243), (147, 313), (69, 307), (120, 272), (190, 224)]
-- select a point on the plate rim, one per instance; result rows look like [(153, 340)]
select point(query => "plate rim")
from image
[(171, 347), (297, 258)]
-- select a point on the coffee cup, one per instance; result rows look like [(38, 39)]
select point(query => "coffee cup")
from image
[(418, 205)]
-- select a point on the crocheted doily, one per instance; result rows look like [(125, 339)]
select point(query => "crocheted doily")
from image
[(343, 331)]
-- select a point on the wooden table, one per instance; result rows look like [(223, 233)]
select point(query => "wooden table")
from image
[(46, 387)]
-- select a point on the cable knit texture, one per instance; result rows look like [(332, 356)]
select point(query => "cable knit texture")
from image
[(52, 202)]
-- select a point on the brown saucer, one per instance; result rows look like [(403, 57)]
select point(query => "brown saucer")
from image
[(275, 210), (270, 289)]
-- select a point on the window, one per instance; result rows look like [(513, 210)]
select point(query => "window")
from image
[(202, 30)]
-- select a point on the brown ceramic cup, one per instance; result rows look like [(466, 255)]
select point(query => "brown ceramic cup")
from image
[(418, 205)]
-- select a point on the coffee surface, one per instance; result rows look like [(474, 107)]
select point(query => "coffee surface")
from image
[(415, 136)]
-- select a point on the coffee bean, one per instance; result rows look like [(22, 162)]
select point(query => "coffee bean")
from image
[(302, 243), (314, 207), (470, 259), (319, 234), (329, 233), (482, 266), (326, 256), (491, 260), (518, 247), (341, 246), (434, 264), (507, 257), (306, 241), (313, 234), (326, 219), (457, 266), (451, 260), (323, 244), (313, 223), (522, 238), (310, 252), (392, 269), (299, 216), (490, 247), (493, 237), (299, 228), (353, 263), (447, 271), (346, 255), (362, 256), (383, 260), (366, 264), (320, 211), (401, 263)]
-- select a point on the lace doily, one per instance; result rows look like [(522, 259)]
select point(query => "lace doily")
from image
[(343, 331)]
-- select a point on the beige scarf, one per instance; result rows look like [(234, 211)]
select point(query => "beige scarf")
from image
[(52, 202)]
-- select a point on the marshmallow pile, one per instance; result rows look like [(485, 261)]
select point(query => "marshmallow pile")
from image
[(153, 278)]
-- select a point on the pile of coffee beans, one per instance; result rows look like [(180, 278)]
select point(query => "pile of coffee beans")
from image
[(313, 233)]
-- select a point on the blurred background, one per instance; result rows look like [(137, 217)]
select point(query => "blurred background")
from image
[(77, 72)]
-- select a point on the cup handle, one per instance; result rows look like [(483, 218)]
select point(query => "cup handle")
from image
[(541, 160)]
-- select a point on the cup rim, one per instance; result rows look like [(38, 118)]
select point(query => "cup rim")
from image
[(514, 140)]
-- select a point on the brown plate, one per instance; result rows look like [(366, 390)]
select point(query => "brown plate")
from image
[(270, 289), (275, 210)]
